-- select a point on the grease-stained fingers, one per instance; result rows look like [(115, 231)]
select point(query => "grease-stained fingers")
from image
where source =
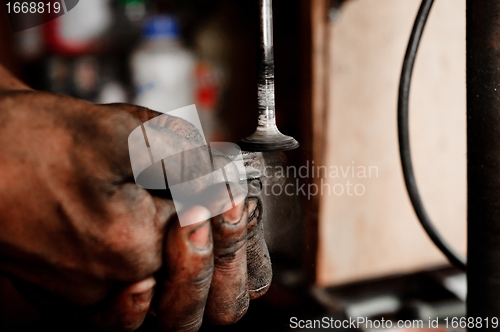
[(258, 260), (183, 292), (228, 299)]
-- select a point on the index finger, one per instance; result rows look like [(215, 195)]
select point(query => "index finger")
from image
[(179, 126)]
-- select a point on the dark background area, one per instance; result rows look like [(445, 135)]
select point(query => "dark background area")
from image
[(293, 268)]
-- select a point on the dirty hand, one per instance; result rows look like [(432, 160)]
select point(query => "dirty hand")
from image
[(77, 233)]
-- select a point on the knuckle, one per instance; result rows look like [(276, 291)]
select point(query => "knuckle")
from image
[(119, 123), (231, 251), (190, 326), (184, 129), (134, 256), (231, 311), (203, 278), (229, 261)]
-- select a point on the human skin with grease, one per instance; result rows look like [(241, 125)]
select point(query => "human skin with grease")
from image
[(82, 242)]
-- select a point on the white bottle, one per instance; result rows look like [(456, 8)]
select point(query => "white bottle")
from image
[(162, 70)]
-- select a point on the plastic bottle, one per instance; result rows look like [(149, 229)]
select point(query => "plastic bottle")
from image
[(162, 69)]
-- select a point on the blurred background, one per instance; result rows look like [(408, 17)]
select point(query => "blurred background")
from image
[(337, 70)]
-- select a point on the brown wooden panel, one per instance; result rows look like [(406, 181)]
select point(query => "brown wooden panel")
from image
[(377, 233)]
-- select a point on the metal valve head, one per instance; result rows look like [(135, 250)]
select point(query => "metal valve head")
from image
[(267, 141)]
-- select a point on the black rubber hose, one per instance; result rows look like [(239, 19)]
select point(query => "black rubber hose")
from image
[(404, 138)]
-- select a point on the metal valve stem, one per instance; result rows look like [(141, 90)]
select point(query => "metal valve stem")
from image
[(267, 137)]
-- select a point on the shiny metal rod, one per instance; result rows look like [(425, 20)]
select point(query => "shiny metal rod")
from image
[(267, 137)]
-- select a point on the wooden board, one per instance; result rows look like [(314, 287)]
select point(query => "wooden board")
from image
[(377, 233)]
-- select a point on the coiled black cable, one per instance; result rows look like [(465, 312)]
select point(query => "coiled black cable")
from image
[(404, 139)]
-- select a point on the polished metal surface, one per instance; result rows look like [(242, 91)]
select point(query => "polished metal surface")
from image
[(267, 137)]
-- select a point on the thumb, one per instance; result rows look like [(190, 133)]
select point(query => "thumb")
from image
[(129, 307)]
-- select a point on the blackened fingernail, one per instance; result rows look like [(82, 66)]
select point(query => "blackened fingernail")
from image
[(200, 237)]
